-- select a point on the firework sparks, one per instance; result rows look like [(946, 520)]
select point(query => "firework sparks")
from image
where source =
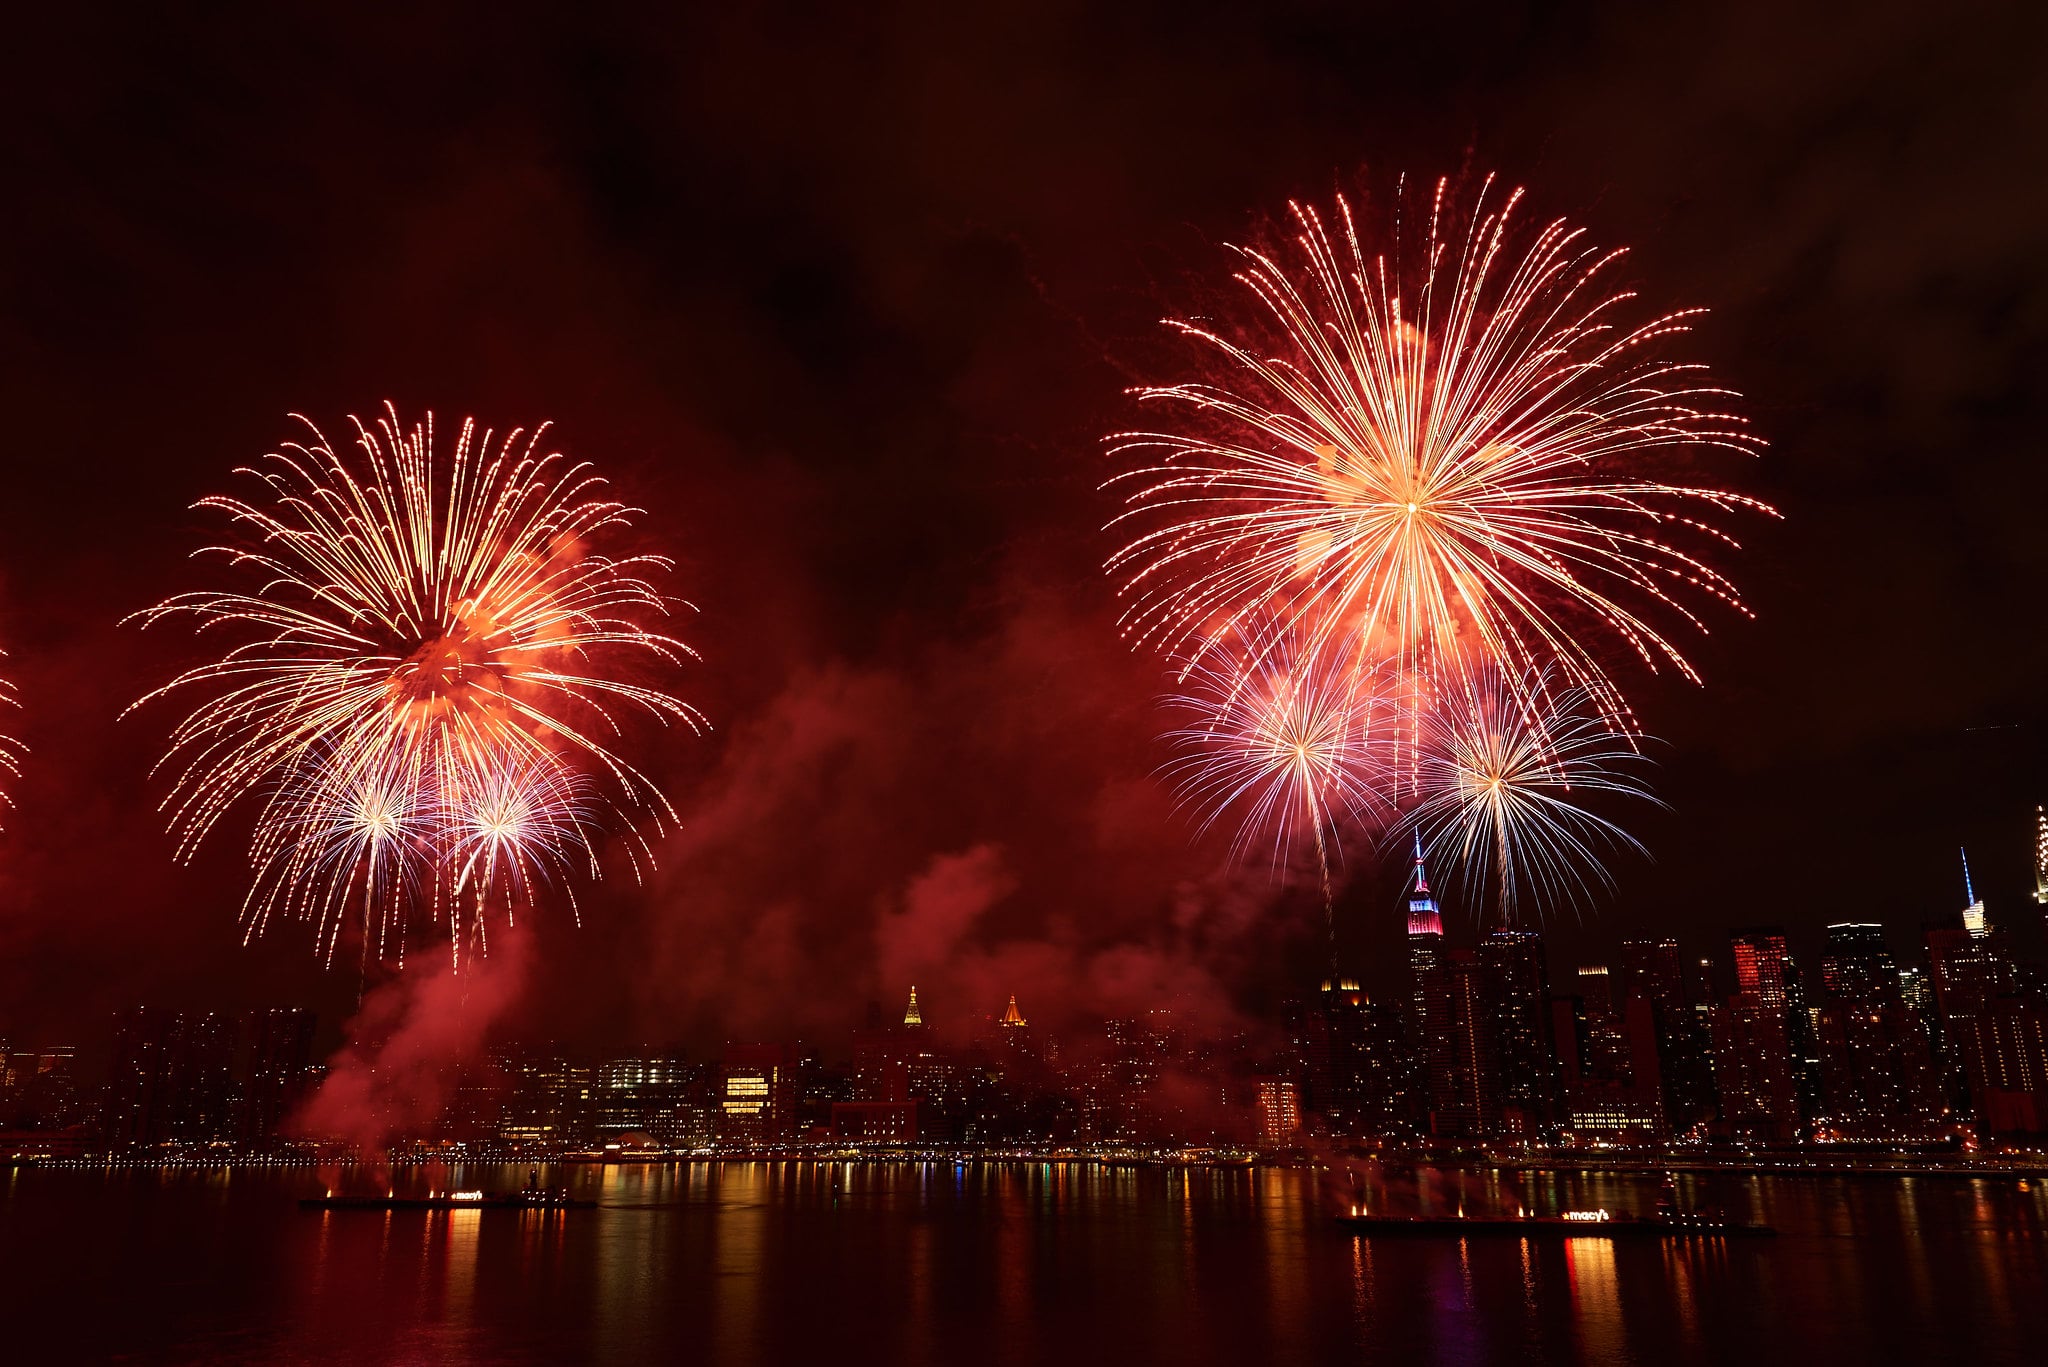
[(11, 750), (1275, 734), (420, 679), (1445, 447), (1505, 769)]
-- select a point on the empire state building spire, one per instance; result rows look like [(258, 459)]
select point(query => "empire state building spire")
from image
[(1422, 913), (911, 1015)]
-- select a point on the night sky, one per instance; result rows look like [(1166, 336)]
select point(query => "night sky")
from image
[(847, 304)]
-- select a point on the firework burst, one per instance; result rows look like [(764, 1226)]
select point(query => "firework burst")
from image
[(1446, 445), (1505, 769), (1276, 736), (420, 679)]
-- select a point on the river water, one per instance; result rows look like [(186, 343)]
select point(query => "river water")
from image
[(828, 1264)]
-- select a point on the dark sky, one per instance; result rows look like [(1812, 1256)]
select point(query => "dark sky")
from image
[(846, 303)]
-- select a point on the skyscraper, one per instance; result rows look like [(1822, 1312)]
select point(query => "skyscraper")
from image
[(1425, 932), (1518, 999), (1973, 905), (1453, 1026), (171, 1079), (1462, 1065), (1877, 1072), (1655, 973), (280, 1052), (1755, 1070)]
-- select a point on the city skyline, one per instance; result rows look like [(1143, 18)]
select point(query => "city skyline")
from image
[(1486, 1045)]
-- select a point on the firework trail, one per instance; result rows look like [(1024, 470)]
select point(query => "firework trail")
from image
[(11, 750), (418, 681), (1504, 771), (1445, 443)]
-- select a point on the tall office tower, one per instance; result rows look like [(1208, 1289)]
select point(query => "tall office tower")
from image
[(1753, 1070), (1858, 966), (1656, 974), (1425, 932), (206, 1092), (1365, 1082), (280, 1050), (2004, 1048), (1756, 1072), (1966, 971), (1917, 992), (141, 1077), (546, 1099), (658, 1095), (1973, 905), (38, 1088), (1518, 995), (1278, 1110), (1462, 1066), (1604, 1052), (1607, 1058), (1425, 964), (757, 1095), (1801, 1033), (1653, 970), (1760, 964), (2041, 855), (1878, 1079)]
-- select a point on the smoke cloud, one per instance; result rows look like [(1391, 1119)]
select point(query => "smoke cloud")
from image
[(409, 1040)]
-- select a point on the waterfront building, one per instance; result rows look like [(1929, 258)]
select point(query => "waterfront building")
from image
[(546, 1101), (279, 1074), (756, 1095), (38, 1088), (1279, 1111), (171, 1078), (661, 1096)]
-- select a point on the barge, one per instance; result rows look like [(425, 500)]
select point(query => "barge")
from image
[(1573, 1224)]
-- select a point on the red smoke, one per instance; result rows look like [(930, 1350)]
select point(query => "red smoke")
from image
[(977, 818), (409, 1040)]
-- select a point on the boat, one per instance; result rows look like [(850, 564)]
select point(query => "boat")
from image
[(1572, 1224), (452, 1200), (532, 1196)]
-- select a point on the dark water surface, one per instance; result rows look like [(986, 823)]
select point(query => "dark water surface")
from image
[(1005, 1264)]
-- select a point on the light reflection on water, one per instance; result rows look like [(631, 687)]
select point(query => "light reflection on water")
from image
[(1008, 1264)]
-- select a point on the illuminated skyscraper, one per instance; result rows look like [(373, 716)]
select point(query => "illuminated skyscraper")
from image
[(1278, 1103), (1425, 936), (1973, 905), (911, 1015), (1760, 964), (1755, 1068), (2041, 855)]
